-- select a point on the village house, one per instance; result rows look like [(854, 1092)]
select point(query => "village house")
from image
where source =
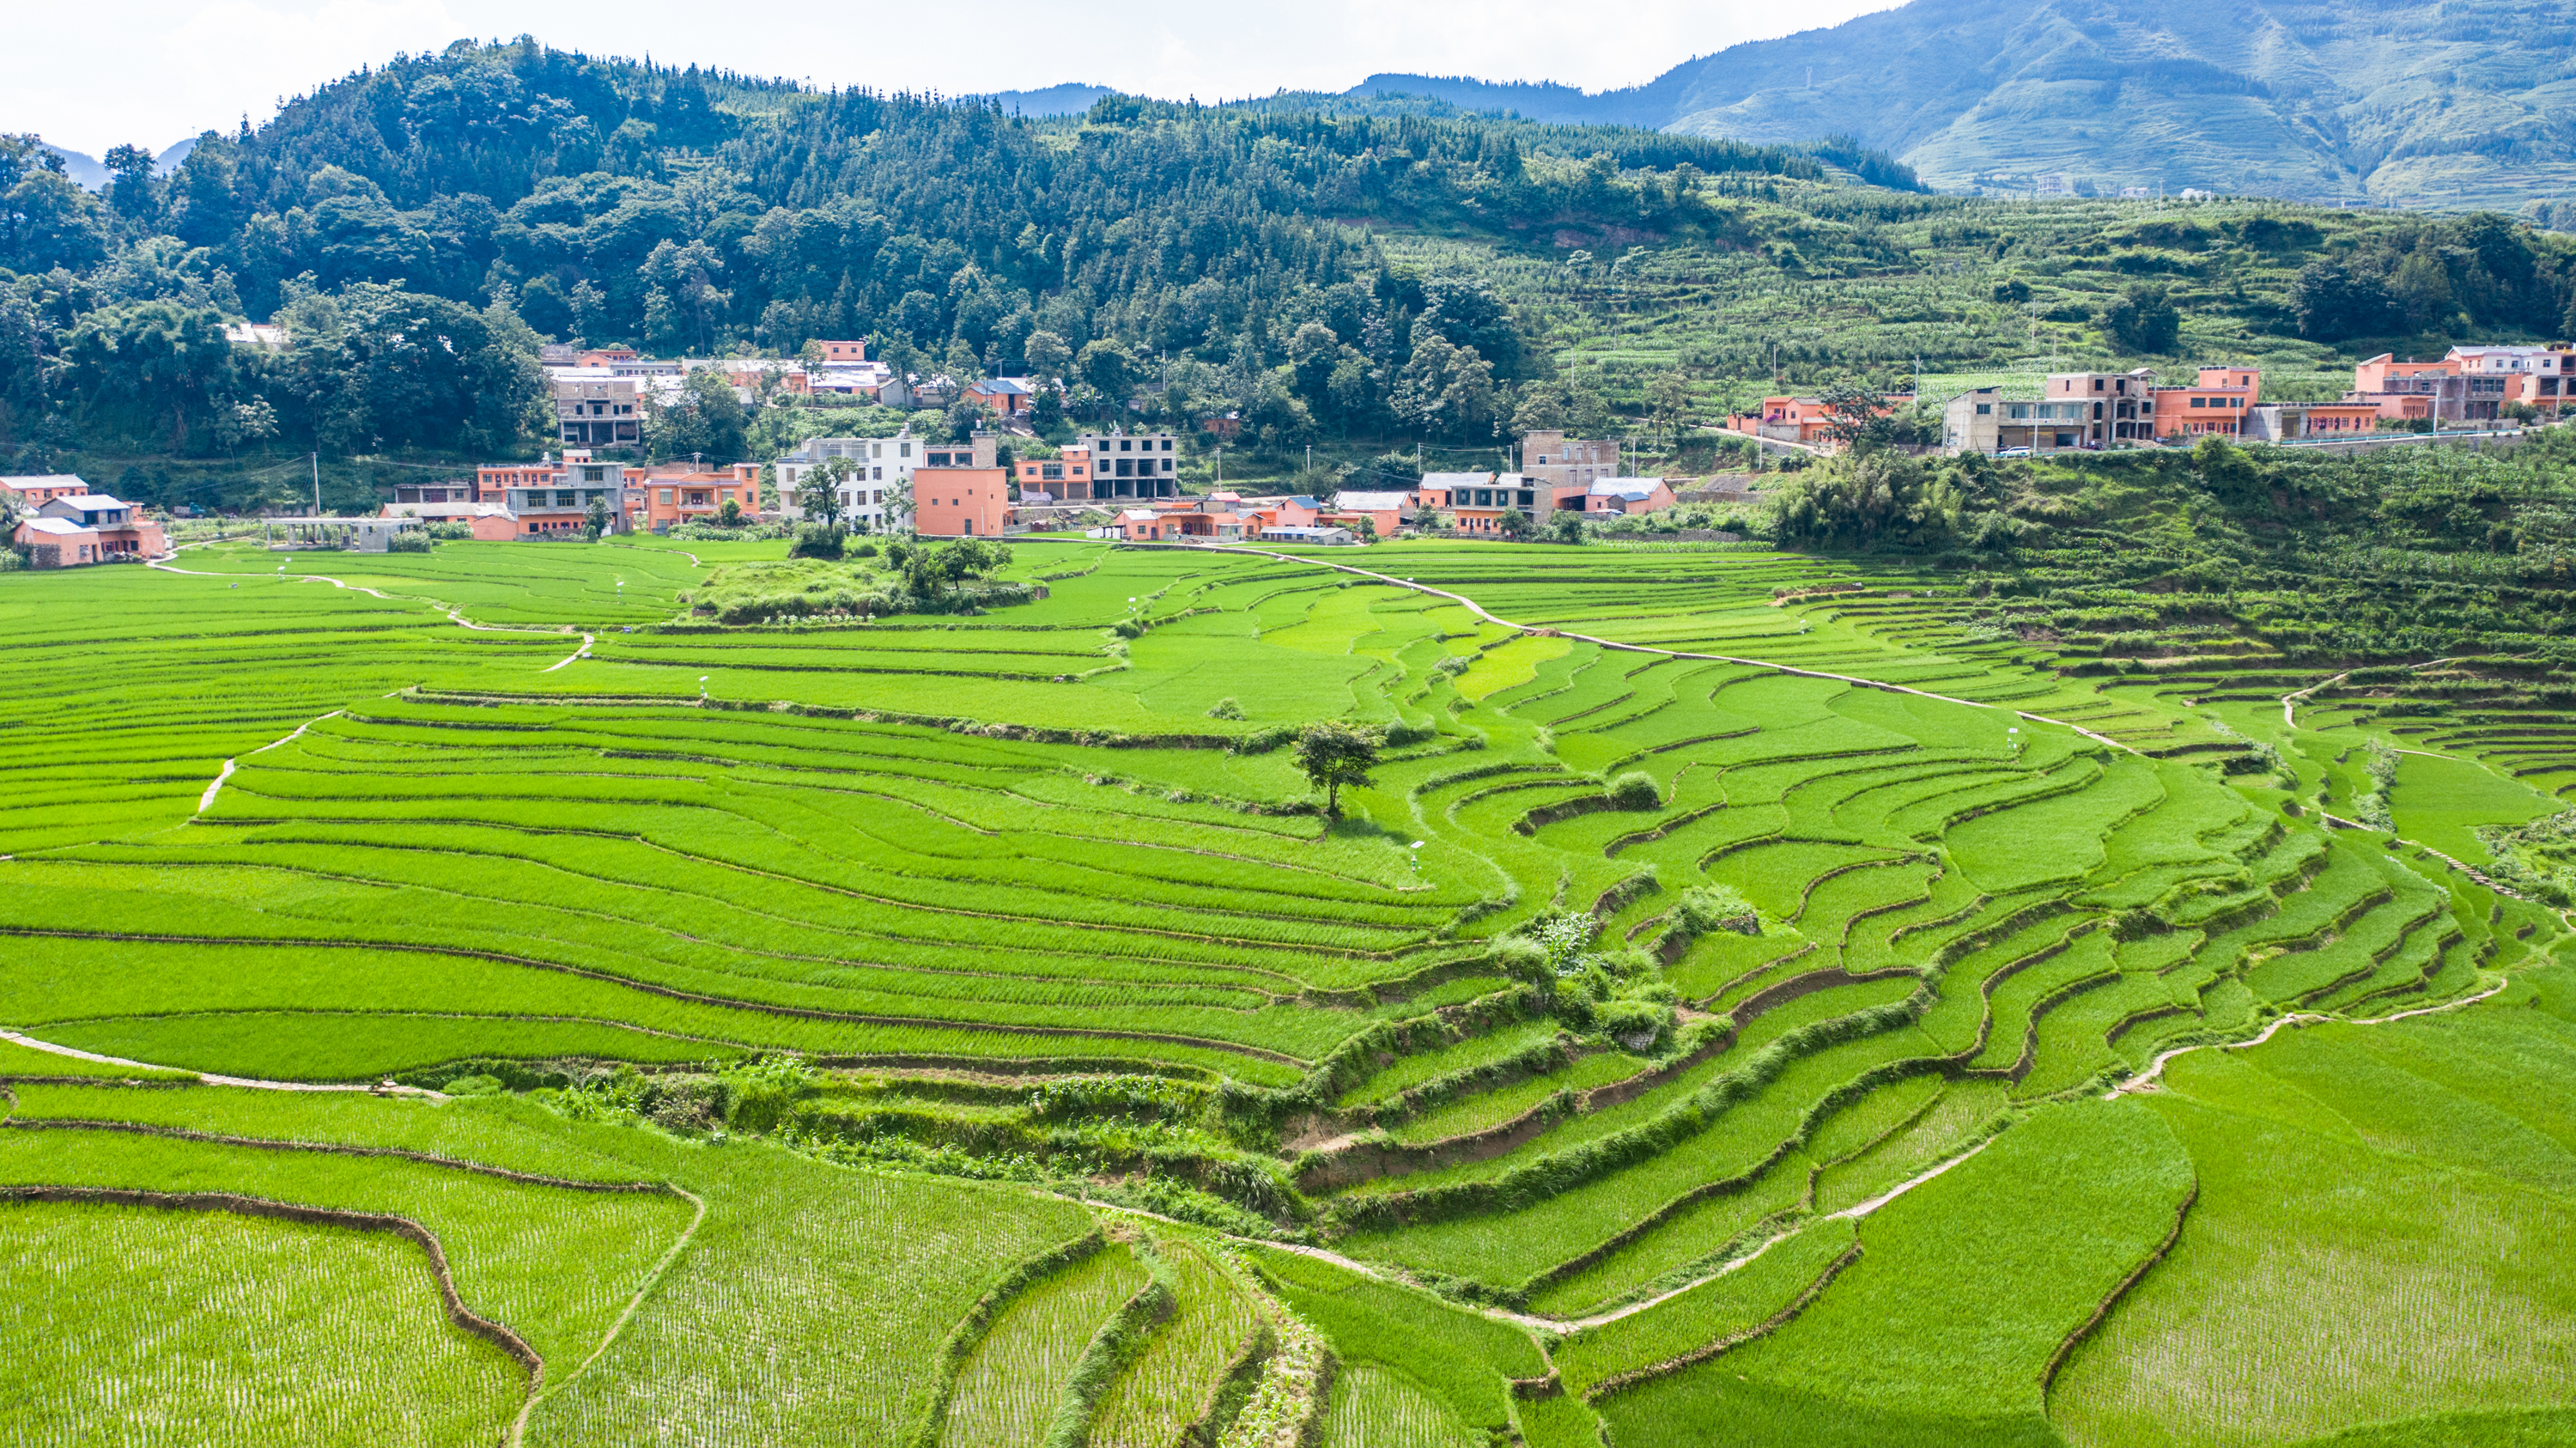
[(558, 501), (2217, 403), (2470, 384), (676, 493), (1559, 466), (1806, 421), (1985, 421), (1132, 465), (1007, 396), (489, 522), (34, 492), (1064, 478), (2292, 421), (881, 468), (1384, 512), (961, 491), (72, 529), (1478, 502), (595, 408), (1628, 495), (454, 490)]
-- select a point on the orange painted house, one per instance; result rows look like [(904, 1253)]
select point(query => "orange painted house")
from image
[(680, 494), (37, 491), (2218, 404), (83, 528), (960, 502), (1067, 478)]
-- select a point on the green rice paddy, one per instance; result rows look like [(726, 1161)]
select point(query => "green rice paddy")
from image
[(941, 1030)]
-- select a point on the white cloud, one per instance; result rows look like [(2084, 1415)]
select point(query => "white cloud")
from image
[(164, 69)]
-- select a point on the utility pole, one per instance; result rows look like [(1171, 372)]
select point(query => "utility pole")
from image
[(317, 484)]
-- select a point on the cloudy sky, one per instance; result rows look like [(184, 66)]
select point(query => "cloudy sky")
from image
[(153, 71)]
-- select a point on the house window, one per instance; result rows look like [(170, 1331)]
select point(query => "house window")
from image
[(1985, 408), (662, 496), (2200, 402)]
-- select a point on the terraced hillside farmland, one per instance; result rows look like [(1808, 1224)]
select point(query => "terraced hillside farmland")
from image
[(969, 1029)]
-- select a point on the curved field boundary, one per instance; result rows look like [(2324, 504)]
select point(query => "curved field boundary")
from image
[(457, 1312), (330, 1148), (951, 1354), (807, 1013), (538, 1393), (2111, 1299), (1482, 612), (2146, 1079), (1776, 1321)]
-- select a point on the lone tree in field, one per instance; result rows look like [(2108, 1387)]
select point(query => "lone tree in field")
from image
[(1333, 755)]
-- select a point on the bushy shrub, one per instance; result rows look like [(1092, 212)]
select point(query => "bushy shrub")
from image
[(1637, 1025), (814, 540), (1225, 708), (409, 541), (1703, 908), (764, 1090), (1635, 789), (864, 550)]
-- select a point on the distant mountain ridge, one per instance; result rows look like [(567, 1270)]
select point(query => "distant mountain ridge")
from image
[(2457, 103)]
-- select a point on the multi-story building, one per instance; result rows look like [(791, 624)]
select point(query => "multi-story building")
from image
[(1986, 421), (682, 493), (2543, 377), (494, 482), (1132, 465), (961, 491), (595, 407), (1478, 501), (2116, 409), (881, 468), (1065, 477), (560, 502), (2217, 403), (2410, 391), (1559, 466)]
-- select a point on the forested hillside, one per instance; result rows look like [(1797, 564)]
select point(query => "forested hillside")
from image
[(486, 196), (2446, 106)]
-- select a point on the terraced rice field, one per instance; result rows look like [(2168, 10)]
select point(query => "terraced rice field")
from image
[(968, 1029)]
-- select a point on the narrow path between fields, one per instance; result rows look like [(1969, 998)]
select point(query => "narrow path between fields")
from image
[(2146, 1080), (251, 1082), (204, 801), (644, 1289), (1493, 618), (455, 612)]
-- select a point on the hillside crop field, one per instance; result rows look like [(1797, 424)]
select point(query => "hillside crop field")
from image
[(470, 998)]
